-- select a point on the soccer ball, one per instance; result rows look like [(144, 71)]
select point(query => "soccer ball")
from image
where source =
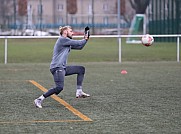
[(147, 40)]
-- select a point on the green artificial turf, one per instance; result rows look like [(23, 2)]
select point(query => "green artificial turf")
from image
[(145, 100)]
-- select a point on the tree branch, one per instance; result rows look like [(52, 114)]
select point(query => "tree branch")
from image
[(132, 4)]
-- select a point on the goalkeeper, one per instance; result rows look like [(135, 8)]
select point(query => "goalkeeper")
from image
[(58, 66)]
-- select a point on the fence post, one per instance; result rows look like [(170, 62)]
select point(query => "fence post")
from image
[(6, 51), (178, 49), (120, 49)]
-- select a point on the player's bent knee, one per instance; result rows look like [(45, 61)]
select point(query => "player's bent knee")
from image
[(58, 90), (82, 70)]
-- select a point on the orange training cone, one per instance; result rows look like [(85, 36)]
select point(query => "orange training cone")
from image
[(124, 72)]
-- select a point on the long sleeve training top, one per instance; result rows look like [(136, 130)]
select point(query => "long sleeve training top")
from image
[(62, 48)]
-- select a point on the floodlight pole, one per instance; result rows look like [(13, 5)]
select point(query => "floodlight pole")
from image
[(40, 13), (14, 4), (92, 5), (118, 12)]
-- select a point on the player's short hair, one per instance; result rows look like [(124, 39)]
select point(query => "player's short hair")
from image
[(61, 29)]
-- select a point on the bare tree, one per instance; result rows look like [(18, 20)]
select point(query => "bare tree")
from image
[(6, 12), (124, 10), (22, 7), (139, 5), (72, 6)]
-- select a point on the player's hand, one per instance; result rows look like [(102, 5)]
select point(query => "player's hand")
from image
[(86, 33)]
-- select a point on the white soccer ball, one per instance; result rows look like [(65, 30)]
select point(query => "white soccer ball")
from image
[(147, 40)]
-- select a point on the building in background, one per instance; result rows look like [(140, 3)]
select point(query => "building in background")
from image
[(49, 14), (100, 15), (78, 13)]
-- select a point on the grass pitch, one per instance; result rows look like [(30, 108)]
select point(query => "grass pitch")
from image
[(145, 100)]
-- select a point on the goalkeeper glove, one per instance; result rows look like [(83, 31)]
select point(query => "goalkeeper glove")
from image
[(87, 32)]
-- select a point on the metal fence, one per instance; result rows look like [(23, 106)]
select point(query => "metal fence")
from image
[(102, 24), (164, 18), (120, 37)]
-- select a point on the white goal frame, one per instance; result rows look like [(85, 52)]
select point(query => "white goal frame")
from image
[(131, 29), (92, 36)]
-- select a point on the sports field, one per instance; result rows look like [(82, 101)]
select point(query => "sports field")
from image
[(145, 100)]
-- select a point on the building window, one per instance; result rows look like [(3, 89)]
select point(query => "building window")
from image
[(74, 20), (60, 7), (105, 20), (40, 9), (60, 20), (90, 9), (89, 20), (105, 7)]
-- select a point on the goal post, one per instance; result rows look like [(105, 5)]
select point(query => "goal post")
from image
[(138, 27)]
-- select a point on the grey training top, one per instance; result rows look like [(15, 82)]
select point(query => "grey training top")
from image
[(62, 48)]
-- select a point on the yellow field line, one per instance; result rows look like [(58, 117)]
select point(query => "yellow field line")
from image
[(61, 101), (39, 121)]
